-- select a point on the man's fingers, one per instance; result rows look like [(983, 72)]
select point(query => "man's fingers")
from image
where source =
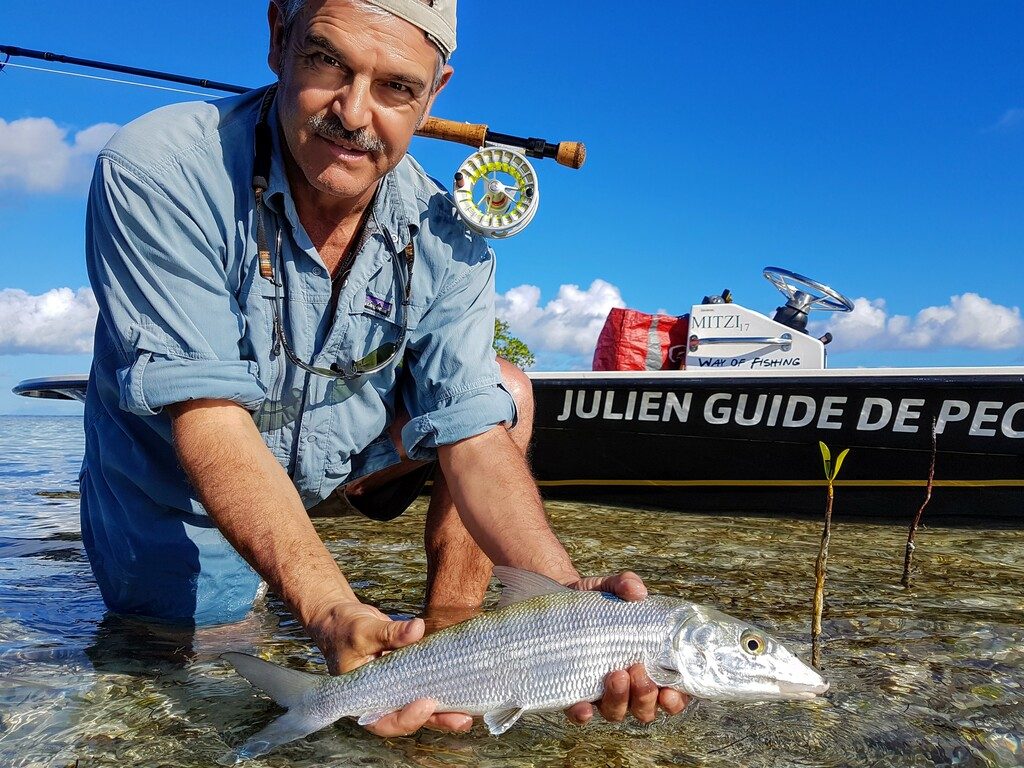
[(615, 700), (581, 713), (672, 701), (643, 695), (626, 585), (405, 721), (452, 722)]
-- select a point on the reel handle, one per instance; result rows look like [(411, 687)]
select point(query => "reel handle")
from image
[(571, 154)]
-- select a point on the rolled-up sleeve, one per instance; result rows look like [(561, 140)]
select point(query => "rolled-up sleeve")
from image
[(160, 282), (453, 386)]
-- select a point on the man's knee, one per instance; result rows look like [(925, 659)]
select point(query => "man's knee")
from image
[(521, 388)]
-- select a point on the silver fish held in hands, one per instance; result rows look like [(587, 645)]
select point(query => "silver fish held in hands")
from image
[(545, 648)]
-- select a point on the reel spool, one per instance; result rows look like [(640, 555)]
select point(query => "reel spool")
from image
[(496, 191)]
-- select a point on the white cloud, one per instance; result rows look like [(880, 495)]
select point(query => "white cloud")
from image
[(969, 321), (60, 321), (37, 155), (563, 331)]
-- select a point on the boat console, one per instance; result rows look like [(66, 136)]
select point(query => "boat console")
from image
[(726, 335)]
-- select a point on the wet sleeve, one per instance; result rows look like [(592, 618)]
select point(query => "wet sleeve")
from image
[(163, 294), (453, 386)]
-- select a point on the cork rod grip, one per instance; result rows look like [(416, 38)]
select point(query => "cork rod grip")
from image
[(449, 130), (571, 154)]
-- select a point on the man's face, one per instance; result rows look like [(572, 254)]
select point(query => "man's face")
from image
[(354, 86)]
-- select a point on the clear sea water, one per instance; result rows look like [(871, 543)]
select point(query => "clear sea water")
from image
[(930, 676)]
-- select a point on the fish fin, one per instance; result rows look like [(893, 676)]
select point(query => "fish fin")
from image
[(286, 686), (500, 720), (520, 585), (663, 670), (372, 717), (290, 726)]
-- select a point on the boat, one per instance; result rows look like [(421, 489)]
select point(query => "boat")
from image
[(740, 428)]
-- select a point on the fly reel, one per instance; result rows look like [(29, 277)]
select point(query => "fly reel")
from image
[(496, 191)]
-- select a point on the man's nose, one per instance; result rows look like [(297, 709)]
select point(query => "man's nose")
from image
[(353, 104)]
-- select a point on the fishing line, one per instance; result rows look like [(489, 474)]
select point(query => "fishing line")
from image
[(7, 64)]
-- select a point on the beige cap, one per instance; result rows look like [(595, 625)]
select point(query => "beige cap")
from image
[(435, 17)]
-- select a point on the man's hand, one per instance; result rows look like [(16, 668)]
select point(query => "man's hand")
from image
[(630, 689), (350, 634)]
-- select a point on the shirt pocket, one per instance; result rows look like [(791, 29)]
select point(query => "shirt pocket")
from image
[(377, 326)]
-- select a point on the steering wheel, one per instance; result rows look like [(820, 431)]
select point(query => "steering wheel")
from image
[(804, 293)]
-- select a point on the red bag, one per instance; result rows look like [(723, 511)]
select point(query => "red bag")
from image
[(636, 341)]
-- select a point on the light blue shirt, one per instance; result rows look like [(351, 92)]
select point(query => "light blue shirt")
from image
[(185, 314)]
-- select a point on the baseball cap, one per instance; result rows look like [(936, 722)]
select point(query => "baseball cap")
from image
[(435, 17)]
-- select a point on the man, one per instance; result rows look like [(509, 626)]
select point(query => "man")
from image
[(276, 323)]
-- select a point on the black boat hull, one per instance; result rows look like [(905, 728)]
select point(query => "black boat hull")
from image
[(750, 444)]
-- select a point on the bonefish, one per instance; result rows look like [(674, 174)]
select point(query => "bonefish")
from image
[(545, 648)]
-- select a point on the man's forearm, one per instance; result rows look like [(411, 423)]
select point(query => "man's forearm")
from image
[(500, 506), (252, 501)]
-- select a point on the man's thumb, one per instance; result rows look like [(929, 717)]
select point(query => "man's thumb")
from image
[(396, 634)]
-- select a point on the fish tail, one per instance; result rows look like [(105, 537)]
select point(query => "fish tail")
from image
[(289, 688)]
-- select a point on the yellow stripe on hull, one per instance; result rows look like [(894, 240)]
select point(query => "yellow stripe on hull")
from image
[(787, 483)]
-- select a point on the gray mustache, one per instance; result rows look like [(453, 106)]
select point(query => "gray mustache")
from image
[(331, 128)]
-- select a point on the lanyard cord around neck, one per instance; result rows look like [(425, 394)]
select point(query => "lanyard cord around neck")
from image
[(262, 155)]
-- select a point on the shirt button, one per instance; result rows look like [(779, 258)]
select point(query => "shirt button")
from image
[(317, 271), (310, 438)]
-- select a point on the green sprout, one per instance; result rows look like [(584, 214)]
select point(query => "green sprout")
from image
[(820, 565)]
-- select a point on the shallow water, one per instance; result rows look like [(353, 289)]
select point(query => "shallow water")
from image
[(921, 677)]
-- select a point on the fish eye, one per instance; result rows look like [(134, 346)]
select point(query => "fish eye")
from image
[(753, 642)]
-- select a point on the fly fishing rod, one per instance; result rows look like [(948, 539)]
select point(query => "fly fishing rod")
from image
[(496, 189)]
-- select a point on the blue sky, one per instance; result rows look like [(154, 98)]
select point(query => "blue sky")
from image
[(876, 146)]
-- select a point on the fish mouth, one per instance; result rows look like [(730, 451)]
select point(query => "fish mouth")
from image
[(798, 690)]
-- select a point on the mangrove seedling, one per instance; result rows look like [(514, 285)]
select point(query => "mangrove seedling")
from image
[(908, 555), (831, 472)]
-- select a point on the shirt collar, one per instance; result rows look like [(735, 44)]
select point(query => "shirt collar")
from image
[(395, 208)]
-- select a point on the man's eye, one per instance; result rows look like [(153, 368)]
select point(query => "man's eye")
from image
[(399, 87), (323, 58)]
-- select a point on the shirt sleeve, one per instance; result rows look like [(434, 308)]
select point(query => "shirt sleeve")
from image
[(163, 294), (453, 386)]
